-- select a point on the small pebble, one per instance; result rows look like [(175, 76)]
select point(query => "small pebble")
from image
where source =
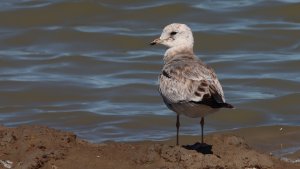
[(6, 163)]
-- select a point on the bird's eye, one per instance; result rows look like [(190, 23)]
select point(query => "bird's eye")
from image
[(173, 33)]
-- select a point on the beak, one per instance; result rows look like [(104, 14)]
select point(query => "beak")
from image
[(156, 41)]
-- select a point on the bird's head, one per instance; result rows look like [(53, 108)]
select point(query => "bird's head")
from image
[(175, 34)]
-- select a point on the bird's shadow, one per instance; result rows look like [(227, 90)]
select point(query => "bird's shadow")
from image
[(200, 147)]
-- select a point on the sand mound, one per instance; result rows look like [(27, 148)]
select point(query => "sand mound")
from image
[(35, 147)]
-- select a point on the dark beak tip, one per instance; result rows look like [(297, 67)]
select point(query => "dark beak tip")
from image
[(153, 43)]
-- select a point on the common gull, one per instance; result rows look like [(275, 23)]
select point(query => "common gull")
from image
[(186, 84)]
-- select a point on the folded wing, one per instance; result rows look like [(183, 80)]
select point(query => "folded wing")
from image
[(191, 81)]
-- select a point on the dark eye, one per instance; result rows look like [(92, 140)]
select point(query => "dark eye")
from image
[(173, 33)]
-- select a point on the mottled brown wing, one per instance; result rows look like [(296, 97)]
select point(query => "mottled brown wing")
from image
[(190, 81)]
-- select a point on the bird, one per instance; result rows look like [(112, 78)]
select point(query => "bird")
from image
[(187, 85)]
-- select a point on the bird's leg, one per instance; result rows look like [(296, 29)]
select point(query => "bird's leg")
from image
[(202, 126), (177, 126)]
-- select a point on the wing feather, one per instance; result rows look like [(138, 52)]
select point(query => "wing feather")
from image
[(190, 80)]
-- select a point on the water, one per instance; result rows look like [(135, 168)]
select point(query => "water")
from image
[(86, 66)]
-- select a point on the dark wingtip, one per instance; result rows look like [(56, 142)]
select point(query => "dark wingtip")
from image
[(214, 104), (227, 105)]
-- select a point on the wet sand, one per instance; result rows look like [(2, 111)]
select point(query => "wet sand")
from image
[(34, 147)]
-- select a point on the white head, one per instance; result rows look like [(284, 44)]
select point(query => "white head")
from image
[(175, 35)]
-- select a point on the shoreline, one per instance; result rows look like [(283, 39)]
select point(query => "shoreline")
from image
[(40, 147)]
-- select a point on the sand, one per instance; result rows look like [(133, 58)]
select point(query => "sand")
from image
[(39, 147)]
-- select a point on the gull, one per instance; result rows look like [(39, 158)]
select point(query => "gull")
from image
[(186, 84)]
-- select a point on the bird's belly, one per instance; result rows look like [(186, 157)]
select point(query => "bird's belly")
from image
[(191, 110)]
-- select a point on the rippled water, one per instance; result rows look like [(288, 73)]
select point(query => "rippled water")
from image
[(86, 66)]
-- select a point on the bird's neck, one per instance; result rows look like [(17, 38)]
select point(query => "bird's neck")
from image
[(179, 52)]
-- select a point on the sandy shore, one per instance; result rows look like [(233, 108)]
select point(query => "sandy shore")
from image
[(35, 147)]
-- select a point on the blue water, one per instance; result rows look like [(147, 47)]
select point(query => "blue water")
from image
[(87, 67)]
